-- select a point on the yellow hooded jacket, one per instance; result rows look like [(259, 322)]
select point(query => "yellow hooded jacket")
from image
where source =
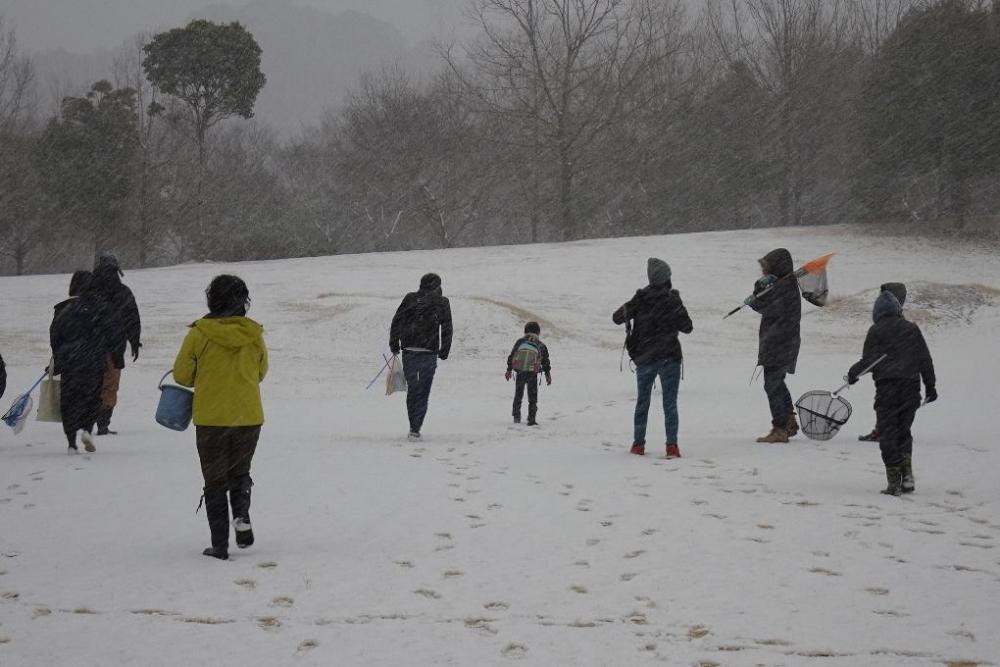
[(225, 360)]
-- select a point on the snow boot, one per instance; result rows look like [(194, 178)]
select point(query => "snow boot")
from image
[(532, 411), (72, 449), (217, 511), (894, 477), (909, 485), (221, 554), (869, 437), (792, 426), (776, 434), (517, 418), (673, 451), (104, 421), (638, 448), (239, 499), (88, 441), (413, 436)]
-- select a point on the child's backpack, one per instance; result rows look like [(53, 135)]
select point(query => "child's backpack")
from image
[(528, 356)]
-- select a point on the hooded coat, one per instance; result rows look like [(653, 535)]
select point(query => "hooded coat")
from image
[(781, 313), (82, 334), (907, 356), (106, 281), (658, 315), (225, 360), (423, 320)]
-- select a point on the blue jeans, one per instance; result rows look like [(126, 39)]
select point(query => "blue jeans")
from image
[(419, 368), (669, 372)]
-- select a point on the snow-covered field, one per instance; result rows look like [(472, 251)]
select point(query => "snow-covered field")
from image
[(489, 544)]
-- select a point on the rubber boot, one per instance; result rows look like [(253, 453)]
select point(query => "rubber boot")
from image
[(532, 411), (104, 421), (894, 477), (239, 498), (909, 485), (217, 511)]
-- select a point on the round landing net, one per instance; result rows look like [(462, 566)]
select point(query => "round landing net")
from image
[(821, 414)]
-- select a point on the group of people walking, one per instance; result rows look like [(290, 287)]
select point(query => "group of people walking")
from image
[(89, 334), (224, 358)]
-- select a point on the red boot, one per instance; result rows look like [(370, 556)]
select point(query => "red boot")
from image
[(638, 448), (673, 451)]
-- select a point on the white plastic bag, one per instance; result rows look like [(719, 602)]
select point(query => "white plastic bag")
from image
[(395, 380), (49, 403)]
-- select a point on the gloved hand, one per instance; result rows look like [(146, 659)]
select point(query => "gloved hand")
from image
[(766, 281), (749, 300), (851, 379), (548, 378), (442, 355), (135, 351), (507, 376), (931, 394), (394, 349)]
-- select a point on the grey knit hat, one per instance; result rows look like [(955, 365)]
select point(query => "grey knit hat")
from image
[(658, 271)]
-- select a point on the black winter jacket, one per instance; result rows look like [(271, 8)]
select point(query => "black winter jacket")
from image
[(907, 355), (657, 315), (121, 302), (423, 320), (781, 313), (83, 333), (543, 350)]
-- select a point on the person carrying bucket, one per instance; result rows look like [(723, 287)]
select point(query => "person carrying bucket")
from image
[(224, 359)]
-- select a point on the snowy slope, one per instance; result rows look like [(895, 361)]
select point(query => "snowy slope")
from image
[(489, 544)]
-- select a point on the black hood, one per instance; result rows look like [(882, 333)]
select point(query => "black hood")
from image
[(778, 262), (430, 282), (898, 290)]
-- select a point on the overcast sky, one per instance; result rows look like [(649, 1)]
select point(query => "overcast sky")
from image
[(87, 25)]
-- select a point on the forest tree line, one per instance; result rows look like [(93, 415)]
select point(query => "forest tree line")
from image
[(562, 120)]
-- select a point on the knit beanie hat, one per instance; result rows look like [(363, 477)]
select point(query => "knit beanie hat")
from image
[(658, 271)]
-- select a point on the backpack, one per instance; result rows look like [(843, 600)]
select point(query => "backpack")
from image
[(527, 357)]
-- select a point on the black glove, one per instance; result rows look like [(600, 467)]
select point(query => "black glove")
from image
[(852, 379), (135, 351), (931, 394), (442, 355), (394, 349)]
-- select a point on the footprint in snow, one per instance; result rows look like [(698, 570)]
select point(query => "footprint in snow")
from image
[(248, 584), (514, 651), (306, 646), (282, 601)]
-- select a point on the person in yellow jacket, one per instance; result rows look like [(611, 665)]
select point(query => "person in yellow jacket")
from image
[(224, 358)]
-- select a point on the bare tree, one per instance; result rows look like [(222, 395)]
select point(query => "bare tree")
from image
[(565, 71)]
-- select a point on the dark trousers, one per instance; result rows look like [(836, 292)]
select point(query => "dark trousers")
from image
[(779, 399), (896, 403), (419, 369), (226, 453), (524, 379), (80, 400)]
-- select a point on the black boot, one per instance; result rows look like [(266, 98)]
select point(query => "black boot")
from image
[(894, 477), (217, 510), (239, 498), (104, 421), (517, 418), (909, 485), (869, 437), (532, 411)]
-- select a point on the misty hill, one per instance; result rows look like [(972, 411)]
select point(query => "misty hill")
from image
[(311, 58)]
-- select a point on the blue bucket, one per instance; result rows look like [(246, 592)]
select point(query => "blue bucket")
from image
[(175, 406)]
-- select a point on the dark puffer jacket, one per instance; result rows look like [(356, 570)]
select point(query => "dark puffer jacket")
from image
[(423, 320), (781, 313), (658, 315), (907, 356), (82, 334), (106, 282)]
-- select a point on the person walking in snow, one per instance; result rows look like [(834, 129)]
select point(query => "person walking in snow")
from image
[(527, 359), (897, 386), (899, 291), (422, 330), (120, 300), (225, 359), (657, 315), (82, 335), (776, 298)]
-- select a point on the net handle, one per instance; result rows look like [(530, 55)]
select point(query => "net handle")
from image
[(870, 366)]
